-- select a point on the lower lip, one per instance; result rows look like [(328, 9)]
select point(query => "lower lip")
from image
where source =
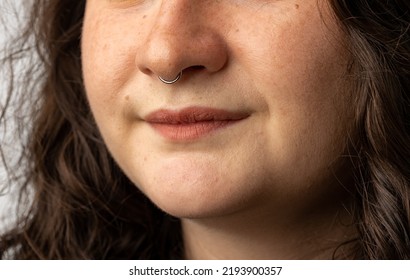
[(190, 131)]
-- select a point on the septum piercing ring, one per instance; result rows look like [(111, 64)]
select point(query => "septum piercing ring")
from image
[(170, 82)]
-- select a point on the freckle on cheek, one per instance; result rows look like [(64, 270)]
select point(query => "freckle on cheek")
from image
[(297, 6)]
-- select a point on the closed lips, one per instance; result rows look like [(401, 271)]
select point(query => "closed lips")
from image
[(191, 123)]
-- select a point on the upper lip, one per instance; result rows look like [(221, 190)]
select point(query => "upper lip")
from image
[(193, 115)]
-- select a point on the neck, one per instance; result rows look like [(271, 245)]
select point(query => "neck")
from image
[(261, 235)]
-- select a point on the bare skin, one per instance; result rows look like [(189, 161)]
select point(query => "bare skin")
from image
[(269, 186)]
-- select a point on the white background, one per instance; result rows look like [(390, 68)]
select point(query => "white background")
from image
[(10, 17), (291, 270)]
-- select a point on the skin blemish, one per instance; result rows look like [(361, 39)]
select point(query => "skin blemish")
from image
[(297, 6)]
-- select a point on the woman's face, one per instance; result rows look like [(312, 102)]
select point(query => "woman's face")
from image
[(258, 119)]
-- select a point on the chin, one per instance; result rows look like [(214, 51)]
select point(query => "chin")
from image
[(213, 197), (197, 184)]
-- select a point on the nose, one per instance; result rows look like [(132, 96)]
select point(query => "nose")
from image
[(181, 38)]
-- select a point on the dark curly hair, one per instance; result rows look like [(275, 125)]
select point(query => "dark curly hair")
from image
[(379, 40), (82, 206)]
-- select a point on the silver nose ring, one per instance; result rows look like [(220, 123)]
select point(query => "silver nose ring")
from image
[(170, 82)]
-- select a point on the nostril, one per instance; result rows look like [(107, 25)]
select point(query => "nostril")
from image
[(194, 68)]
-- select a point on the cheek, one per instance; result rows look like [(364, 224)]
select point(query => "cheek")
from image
[(306, 72), (300, 58), (300, 73), (295, 62), (108, 61)]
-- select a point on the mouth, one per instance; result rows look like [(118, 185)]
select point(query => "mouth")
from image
[(192, 123)]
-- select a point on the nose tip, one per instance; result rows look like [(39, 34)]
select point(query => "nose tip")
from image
[(177, 43), (161, 57)]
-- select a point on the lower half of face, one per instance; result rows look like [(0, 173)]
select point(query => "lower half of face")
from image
[(256, 162), (266, 130)]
